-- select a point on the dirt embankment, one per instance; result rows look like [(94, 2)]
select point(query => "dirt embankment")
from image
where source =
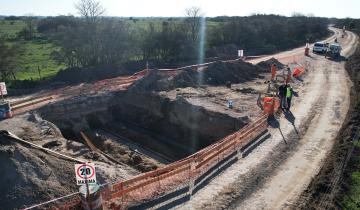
[(329, 186), (218, 73), (31, 176)]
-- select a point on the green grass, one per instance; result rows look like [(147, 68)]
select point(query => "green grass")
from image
[(37, 57), (9, 29), (36, 53), (352, 198)]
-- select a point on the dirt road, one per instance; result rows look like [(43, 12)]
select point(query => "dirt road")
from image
[(276, 172)]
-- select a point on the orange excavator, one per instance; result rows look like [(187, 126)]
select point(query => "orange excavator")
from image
[(268, 100)]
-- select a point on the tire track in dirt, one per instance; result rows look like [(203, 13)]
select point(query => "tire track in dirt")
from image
[(257, 177), (254, 179), (241, 184), (296, 174)]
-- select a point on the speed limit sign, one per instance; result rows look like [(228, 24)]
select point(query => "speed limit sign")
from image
[(85, 173)]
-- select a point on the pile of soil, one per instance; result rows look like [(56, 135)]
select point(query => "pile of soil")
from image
[(76, 75), (30, 176), (218, 73), (327, 189), (266, 64)]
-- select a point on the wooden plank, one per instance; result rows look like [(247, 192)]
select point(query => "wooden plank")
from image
[(30, 104), (12, 136), (26, 100)]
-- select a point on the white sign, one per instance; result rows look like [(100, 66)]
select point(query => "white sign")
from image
[(240, 53), (3, 90), (85, 173)]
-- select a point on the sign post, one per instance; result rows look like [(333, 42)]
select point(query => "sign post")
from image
[(86, 175), (240, 53), (3, 90)]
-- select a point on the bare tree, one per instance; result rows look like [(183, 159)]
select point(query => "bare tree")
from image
[(193, 15), (90, 9)]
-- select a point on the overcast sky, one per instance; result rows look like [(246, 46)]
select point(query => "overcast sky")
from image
[(167, 8)]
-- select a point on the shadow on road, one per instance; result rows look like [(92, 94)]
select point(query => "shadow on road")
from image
[(274, 123), (291, 118)]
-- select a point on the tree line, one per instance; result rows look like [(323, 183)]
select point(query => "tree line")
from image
[(92, 39)]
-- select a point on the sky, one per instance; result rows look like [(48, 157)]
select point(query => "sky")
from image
[(175, 8)]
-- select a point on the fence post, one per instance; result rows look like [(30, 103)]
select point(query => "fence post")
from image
[(192, 175)]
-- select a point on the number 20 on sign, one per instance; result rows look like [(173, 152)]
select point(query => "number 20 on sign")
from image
[(85, 173)]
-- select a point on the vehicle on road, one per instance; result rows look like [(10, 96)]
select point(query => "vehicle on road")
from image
[(333, 51), (319, 47)]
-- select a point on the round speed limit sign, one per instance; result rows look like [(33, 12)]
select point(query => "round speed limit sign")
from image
[(85, 173)]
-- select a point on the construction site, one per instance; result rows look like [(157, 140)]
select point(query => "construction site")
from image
[(193, 137), (226, 132)]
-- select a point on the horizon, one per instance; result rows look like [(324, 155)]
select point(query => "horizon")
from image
[(163, 9)]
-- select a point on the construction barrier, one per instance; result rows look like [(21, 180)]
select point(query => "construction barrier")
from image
[(178, 180), (271, 105), (298, 71)]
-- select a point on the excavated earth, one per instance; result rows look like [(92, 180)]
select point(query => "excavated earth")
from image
[(159, 119)]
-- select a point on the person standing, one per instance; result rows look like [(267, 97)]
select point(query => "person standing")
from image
[(288, 78), (273, 71), (282, 95), (289, 94)]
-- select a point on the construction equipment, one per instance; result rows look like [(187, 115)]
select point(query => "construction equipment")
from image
[(268, 100), (271, 104)]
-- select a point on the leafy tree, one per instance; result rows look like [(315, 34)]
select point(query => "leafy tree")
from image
[(9, 60)]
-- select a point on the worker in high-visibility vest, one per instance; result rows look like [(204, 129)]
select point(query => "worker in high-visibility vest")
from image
[(288, 78), (273, 71), (289, 94)]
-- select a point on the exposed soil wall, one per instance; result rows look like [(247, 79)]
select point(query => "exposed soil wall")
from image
[(178, 121), (186, 123)]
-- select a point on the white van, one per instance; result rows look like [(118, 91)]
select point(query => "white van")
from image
[(319, 47)]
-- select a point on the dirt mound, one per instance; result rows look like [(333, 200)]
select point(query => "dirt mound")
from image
[(219, 73), (76, 75), (266, 64), (30, 176)]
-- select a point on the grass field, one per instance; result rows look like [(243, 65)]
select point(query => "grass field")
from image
[(9, 29), (36, 57)]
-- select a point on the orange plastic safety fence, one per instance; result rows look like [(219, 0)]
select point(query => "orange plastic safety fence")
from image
[(175, 176), (152, 185)]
